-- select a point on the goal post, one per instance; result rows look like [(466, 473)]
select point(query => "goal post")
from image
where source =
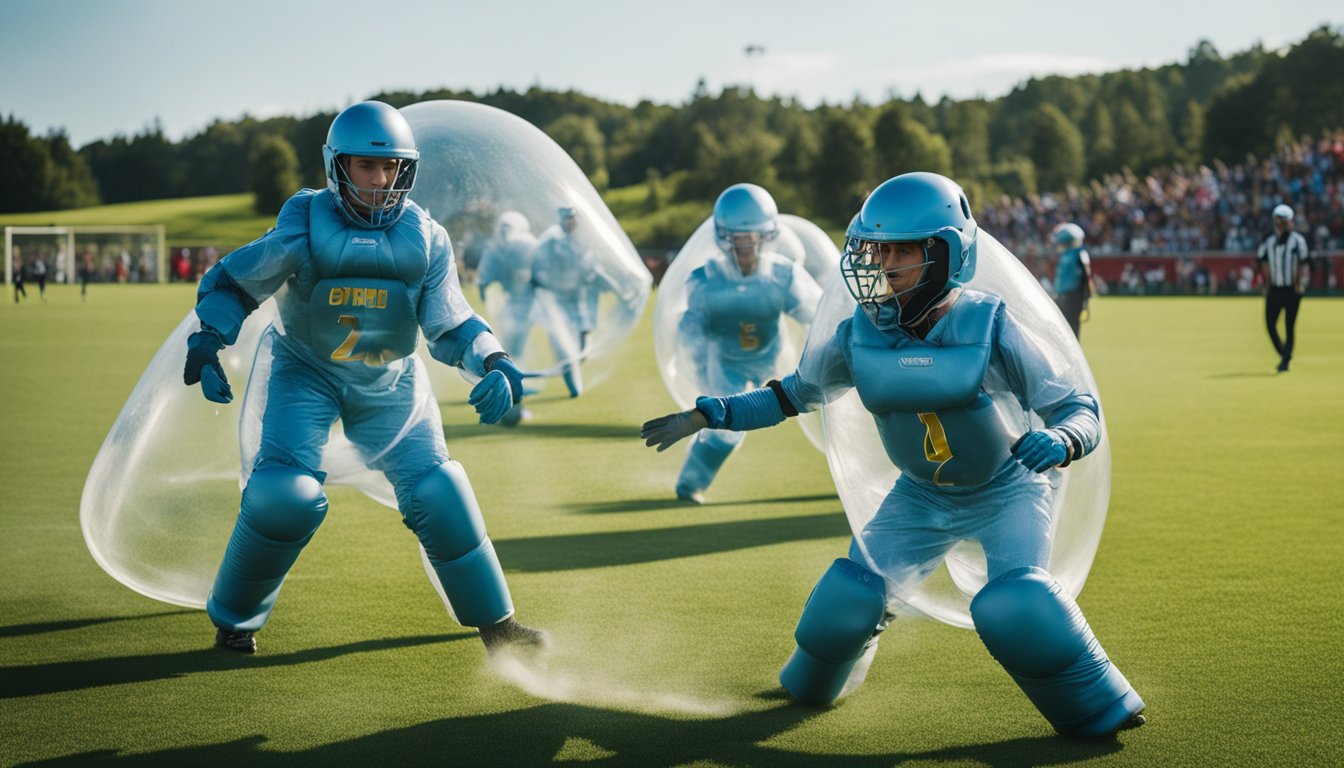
[(134, 253)]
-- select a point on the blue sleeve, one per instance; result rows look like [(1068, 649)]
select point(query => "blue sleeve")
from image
[(824, 370), (692, 324), (442, 306), (1079, 418), (756, 409), (804, 295), (1036, 374), (451, 346), (246, 277)]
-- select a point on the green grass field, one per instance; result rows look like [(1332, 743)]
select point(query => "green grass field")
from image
[(1216, 588)]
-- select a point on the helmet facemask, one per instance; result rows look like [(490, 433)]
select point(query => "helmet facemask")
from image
[(745, 219), (386, 203), (873, 287), (743, 248)]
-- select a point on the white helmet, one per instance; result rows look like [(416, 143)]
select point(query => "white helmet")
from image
[(1068, 235)]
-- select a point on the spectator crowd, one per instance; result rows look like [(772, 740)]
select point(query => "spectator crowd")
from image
[(1185, 209)]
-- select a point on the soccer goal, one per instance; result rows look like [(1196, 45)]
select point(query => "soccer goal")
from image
[(111, 254)]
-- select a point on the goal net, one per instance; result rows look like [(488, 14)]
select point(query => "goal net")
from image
[(111, 254)]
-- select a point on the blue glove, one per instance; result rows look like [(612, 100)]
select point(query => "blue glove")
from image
[(1041, 449), (203, 366), (492, 397), (501, 362)]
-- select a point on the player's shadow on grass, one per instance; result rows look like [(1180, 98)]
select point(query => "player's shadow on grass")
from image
[(655, 505), (595, 550), (557, 732), (41, 628), (1243, 375), (56, 677), (531, 429)]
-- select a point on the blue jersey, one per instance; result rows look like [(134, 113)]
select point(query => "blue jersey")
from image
[(508, 261), (566, 267), (737, 317), (1070, 273), (354, 299), (947, 407)]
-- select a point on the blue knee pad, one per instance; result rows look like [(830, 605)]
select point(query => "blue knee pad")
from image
[(1036, 631), (704, 457), (834, 631), (444, 515), (281, 509)]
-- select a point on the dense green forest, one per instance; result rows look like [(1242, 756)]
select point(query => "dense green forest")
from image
[(1045, 135)]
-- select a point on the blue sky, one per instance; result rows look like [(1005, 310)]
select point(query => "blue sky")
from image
[(102, 67)]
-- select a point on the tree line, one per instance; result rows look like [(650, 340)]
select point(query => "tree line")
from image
[(1044, 135)]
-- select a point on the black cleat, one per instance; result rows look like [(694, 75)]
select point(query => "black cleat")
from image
[(510, 634), (242, 642)]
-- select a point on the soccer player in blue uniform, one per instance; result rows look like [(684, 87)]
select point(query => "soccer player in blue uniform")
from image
[(507, 261), (363, 270), (564, 265), (950, 378), (735, 304), (1073, 274)]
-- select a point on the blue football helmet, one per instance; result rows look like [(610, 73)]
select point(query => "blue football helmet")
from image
[(370, 129), (1067, 235), (923, 208), (745, 218)]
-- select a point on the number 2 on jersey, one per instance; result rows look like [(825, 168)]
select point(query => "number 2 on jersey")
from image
[(342, 353)]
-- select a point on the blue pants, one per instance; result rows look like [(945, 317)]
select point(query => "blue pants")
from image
[(917, 524)]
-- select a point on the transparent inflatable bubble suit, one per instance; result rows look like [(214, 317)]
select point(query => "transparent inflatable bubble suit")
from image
[(162, 496), (863, 474), (800, 241), (498, 185)]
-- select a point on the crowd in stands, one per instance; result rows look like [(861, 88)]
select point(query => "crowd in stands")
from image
[(1184, 210)]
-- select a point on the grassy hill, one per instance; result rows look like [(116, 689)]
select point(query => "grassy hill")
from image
[(228, 220), (216, 220)]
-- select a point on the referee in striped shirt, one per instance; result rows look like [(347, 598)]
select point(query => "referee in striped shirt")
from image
[(1286, 263)]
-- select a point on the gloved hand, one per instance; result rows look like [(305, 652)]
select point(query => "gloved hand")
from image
[(203, 366), (505, 365), (666, 430), (492, 397), (1041, 449)]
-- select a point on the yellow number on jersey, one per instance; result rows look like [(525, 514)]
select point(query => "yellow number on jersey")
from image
[(342, 353), (747, 339), (935, 443)]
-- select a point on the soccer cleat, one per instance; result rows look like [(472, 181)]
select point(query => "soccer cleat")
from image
[(1134, 722), (510, 634), (242, 642), (1283, 365), (572, 382), (694, 497)]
